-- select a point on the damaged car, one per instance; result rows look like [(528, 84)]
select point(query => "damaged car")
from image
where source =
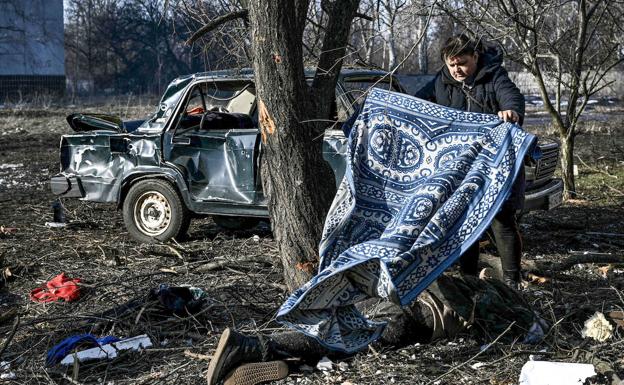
[(199, 154)]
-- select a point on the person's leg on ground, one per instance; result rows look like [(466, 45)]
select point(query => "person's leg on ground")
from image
[(248, 360)]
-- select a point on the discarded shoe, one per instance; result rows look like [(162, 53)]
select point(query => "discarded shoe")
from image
[(257, 372), (233, 350)]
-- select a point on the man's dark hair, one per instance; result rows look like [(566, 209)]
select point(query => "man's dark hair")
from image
[(459, 45)]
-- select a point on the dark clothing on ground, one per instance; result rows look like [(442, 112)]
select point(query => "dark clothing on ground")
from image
[(449, 306), (489, 91)]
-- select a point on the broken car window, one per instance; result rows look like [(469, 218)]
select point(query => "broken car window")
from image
[(167, 104), (220, 98)]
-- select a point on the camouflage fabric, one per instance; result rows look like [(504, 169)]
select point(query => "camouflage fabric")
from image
[(485, 306)]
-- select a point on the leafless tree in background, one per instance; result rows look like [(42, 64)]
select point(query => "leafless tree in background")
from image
[(571, 43), (129, 45), (388, 37)]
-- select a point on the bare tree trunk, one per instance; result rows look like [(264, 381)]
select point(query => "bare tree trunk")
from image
[(297, 181), (423, 48), (567, 165), (391, 50)]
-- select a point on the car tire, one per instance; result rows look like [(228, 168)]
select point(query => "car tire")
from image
[(153, 211), (235, 223)]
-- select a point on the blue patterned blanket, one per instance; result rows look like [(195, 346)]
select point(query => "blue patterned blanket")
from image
[(422, 184)]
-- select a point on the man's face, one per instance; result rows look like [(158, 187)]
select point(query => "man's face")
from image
[(463, 66)]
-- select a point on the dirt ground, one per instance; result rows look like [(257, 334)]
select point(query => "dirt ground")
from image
[(240, 276)]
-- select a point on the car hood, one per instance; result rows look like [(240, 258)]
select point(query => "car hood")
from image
[(81, 122)]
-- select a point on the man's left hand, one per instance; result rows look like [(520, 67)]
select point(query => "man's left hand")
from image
[(509, 116)]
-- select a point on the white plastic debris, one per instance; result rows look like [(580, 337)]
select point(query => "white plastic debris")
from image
[(256, 238), (598, 328), (5, 371), (537, 357), (10, 165), (109, 351), (8, 376), (477, 365), (55, 224), (555, 373), (343, 366), (325, 364)]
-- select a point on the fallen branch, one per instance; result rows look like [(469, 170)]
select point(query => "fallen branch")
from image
[(575, 259), (197, 356), (11, 335), (609, 235), (217, 265)]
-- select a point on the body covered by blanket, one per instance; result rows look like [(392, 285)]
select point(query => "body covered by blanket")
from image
[(422, 184)]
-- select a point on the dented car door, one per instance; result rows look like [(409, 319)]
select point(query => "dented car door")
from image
[(215, 143)]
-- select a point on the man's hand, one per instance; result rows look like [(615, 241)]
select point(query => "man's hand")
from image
[(509, 116)]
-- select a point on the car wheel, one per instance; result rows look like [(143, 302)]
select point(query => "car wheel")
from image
[(153, 211), (235, 223)]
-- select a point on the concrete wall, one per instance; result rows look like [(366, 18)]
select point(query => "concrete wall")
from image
[(32, 54)]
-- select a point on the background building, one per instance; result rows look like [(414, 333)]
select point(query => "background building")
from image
[(32, 54)]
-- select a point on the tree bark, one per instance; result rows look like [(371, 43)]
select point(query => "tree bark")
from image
[(567, 166), (423, 48), (297, 181)]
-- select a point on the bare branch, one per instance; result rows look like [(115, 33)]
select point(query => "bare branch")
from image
[(242, 14)]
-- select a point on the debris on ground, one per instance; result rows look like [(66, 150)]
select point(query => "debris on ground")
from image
[(65, 347), (617, 317), (5, 371), (555, 373), (181, 300), (7, 230), (109, 351), (598, 328), (325, 364), (58, 288)]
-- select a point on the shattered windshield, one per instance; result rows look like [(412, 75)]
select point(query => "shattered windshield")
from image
[(166, 106)]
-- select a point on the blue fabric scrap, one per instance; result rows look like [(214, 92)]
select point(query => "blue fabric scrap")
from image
[(63, 348)]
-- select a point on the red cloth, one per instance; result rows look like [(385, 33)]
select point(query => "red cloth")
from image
[(58, 288)]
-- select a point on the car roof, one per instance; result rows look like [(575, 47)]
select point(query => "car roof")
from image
[(247, 74)]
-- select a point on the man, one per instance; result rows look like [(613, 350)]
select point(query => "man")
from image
[(449, 306), (474, 80)]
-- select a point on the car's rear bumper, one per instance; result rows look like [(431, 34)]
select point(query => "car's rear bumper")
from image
[(545, 198), (67, 186)]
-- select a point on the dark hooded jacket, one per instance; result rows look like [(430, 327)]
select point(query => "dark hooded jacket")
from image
[(489, 90)]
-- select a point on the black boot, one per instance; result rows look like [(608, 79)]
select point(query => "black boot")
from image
[(234, 350), (512, 279)]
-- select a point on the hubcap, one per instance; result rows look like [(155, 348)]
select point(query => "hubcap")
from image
[(152, 213)]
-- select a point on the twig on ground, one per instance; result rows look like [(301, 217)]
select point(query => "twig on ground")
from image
[(481, 351), (16, 324)]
